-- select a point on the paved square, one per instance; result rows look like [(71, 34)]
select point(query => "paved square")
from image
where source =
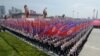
[(92, 46)]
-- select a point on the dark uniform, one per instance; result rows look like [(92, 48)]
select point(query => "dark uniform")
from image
[(0, 28)]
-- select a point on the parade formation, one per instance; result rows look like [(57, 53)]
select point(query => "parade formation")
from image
[(59, 35), (54, 28), (64, 36)]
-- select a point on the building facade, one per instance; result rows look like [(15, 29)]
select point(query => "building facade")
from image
[(2, 11), (14, 10)]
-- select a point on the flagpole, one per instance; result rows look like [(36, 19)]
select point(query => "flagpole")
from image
[(93, 14), (97, 14), (73, 13)]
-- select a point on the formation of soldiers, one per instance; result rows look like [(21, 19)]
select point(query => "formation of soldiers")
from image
[(1, 27), (53, 38), (64, 37)]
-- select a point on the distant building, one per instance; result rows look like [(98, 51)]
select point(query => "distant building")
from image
[(14, 10), (32, 12), (2, 11), (31, 15), (17, 13)]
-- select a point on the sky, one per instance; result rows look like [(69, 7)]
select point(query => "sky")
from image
[(81, 8)]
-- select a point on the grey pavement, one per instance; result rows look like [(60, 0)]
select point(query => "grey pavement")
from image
[(92, 46)]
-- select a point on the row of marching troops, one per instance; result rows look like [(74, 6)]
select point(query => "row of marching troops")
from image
[(1, 27), (56, 35)]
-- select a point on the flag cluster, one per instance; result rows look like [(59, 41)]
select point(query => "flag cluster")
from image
[(47, 27)]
